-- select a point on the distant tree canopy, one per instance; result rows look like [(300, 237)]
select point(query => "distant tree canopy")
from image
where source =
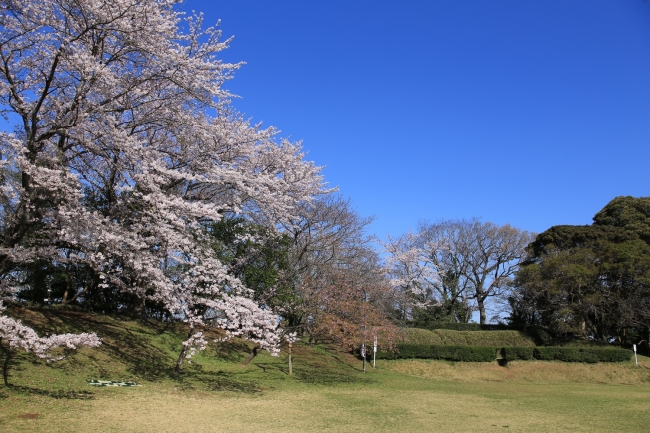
[(450, 268), (590, 280)]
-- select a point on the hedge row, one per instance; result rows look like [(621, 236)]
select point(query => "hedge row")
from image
[(454, 326), (445, 337), (505, 354), (449, 353), (540, 335), (582, 354)]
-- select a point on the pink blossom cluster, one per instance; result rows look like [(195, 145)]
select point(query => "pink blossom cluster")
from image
[(410, 268), (19, 336), (123, 99)]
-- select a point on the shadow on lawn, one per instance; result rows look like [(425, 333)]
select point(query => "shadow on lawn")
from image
[(327, 376), (124, 342), (219, 381), (148, 350), (317, 366), (59, 394)]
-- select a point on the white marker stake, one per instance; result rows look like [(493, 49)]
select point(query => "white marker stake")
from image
[(636, 361), (374, 353)]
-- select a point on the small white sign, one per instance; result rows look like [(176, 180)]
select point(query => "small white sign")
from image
[(374, 346), (634, 347)]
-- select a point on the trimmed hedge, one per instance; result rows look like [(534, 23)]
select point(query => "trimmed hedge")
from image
[(454, 326), (449, 353), (582, 354), (541, 336), (517, 353), (446, 337), (505, 354)]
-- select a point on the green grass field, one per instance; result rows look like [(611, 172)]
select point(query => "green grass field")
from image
[(327, 392)]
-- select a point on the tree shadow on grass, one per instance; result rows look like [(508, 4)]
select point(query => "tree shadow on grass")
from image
[(231, 350), (320, 372), (220, 381), (327, 377), (58, 394), (223, 381), (122, 347)]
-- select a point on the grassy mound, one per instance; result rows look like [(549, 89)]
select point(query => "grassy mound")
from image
[(446, 337), (146, 352)]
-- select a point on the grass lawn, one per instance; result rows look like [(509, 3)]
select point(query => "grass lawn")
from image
[(327, 392)]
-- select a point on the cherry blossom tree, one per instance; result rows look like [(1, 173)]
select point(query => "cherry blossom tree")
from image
[(411, 273), (457, 262), (124, 148)]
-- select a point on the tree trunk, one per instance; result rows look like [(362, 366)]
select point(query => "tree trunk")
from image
[(5, 365), (481, 310), (253, 354), (137, 304), (64, 300), (179, 361), (181, 356)]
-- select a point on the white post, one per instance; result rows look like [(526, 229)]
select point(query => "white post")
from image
[(636, 361), (290, 364), (374, 353)]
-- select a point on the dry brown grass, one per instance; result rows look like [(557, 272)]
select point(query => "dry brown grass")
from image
[(527, 371), (394, 404), (327, 391)]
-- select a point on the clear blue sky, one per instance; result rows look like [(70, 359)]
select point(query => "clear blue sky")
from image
[(532, 113)]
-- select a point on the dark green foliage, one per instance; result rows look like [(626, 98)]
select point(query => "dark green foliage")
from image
[(592, 281), (449, 311), (455, 326), (517, 353), (629, 213), (566, 354), (582, 354), (449, 353), (254, 256), (249, 250), (489, 354), (540, 336), (73, 284)]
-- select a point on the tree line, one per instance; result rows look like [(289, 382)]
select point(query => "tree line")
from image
[(589, 281), (131, 185)]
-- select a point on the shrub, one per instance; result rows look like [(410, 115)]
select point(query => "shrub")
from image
[(540, 336), (449, 353), (517, 353), (582, 354), (506, 354), (445, 337)]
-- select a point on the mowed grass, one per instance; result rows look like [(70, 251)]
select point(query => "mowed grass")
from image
[(327, 392), (446, 337)]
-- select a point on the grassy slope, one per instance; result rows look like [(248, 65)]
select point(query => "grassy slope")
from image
[(444, 337), (327, 391)]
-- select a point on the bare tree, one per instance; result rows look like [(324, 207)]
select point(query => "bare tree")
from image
[(445, 246), (453, 267), (412, 274), (335, 270), (478, 259)]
